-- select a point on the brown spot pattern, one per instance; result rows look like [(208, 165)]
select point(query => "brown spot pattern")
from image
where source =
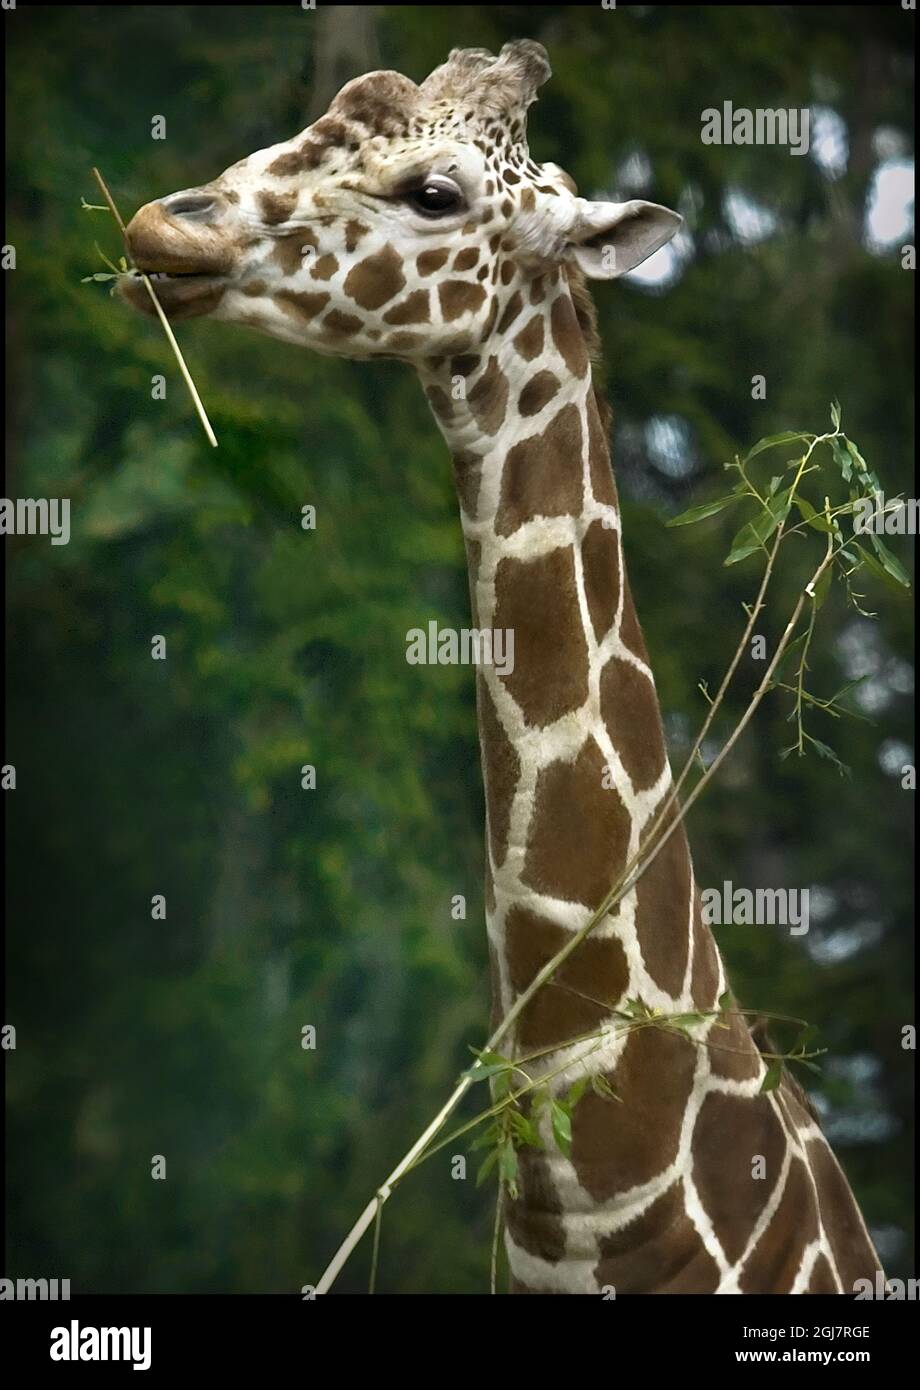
[(597, 968), (510, 312), (354, 231), (630, 631), (852, 1252), (341, 324), (488, 399), (534, 1219), (301, 304), (616, 1146), (529, 342), (376, 279), (459, 297), (600, 562), (465, 260), (660, 1252), (822, 1277), (579, 832), (704, 977), (730, 1132), (629, 709), (538, 392), (774, 1261), (663, 912), (289, 250), (276, 207), (430, 261), (539, 600), (324, 268), (732, 1054), (468, 480), (542, 474), (501, 770), (413, 309)]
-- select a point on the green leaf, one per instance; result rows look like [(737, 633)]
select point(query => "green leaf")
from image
[(772, 440), (773, 1077), (483, 1073), (835, 414), (726, 1000), (576, 1092), (486, 1166), (489, 1136), (889, 562), (861, 466), (705, 509), (636, 1008), (877, 570), (686, 1021), (485, 1054), (824, 750), (808, 513), (538, 1099), (808, 1032), (602, 1087), (842, 460), (754, 535), (791, 649), (524, 1130), (508, 1168), (562, 1127)]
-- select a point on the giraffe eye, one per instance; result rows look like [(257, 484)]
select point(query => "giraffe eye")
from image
[(435, 197)]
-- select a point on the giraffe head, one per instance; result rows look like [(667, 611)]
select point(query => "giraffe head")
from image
[(396, 225)]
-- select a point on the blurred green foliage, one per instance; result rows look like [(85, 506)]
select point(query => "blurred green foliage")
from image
[(332, 907)]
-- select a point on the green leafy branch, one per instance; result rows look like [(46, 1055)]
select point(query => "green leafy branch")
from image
[(765, 533), (774, 502)]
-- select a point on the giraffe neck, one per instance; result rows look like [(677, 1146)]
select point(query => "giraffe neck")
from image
[(573, 753), (650, 1196)]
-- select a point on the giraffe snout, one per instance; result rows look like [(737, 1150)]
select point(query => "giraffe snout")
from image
[(181, 235), (183, 243)]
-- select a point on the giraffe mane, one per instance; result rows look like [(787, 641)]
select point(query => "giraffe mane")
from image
[(586, 314)]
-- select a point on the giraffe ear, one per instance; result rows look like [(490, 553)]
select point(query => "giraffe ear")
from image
[(608, 239)]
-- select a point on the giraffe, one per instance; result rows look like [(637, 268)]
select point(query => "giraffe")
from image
[(411, 222)]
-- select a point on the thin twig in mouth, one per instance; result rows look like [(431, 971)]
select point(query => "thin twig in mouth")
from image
[(167, 328)]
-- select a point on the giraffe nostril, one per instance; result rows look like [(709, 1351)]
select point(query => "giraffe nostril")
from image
[(189, 205)]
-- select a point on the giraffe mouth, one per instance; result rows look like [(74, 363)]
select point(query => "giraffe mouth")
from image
[(182, 293)]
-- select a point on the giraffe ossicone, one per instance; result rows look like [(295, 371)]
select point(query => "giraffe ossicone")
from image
[(410, 221)]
